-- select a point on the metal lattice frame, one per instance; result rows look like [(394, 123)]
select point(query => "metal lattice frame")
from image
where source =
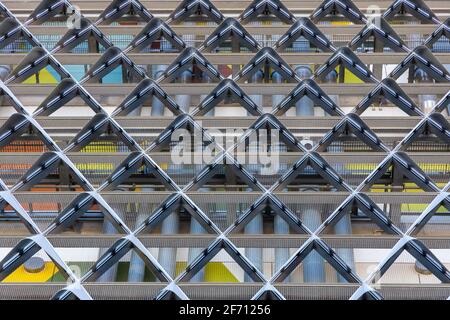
[(265, 57)]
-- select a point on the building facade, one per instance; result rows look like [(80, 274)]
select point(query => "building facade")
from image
[(224, 149)]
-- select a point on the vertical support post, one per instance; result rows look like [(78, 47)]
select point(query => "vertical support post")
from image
[(111, 274), (184, 100), (136, 271), (4, 71), (257, 98), (378, 68), (343, 227), (93, 45), (196, 228), (305, 106), (255, 255), (280, 226), (168, 256), (426, 101), (158, 106), (313, 265)]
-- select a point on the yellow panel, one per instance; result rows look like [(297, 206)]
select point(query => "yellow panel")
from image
[(44, 77), (100, 146), (349, 77), (214, 272), (164, 165), (94, 166), (218, 272), (21, 275), (419, 207), (341, 23), (378, 188), (360, 166), (180, 267)]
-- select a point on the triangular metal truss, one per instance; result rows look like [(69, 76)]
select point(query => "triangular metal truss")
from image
[(361, 202), (156, 29), (352, 124), (266, 8), (326, 252), (269, 121), (419, 251), (119, 8), (304, 27), (267, 58), (185, 61), (86, 32), (64, 92), (408, 169), (422, 58), (146, 89), (98, 125), (390, 90), (417, 8), (333, 7), (381, 31), (36, 60), (320, 166), (312, 90), (48, 9), (227, 91), (19, 124), (11, 31), (230, 29), (435, 124), (345, 58), (110, 60), (57, 161), (442, 31), (189, 8)]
